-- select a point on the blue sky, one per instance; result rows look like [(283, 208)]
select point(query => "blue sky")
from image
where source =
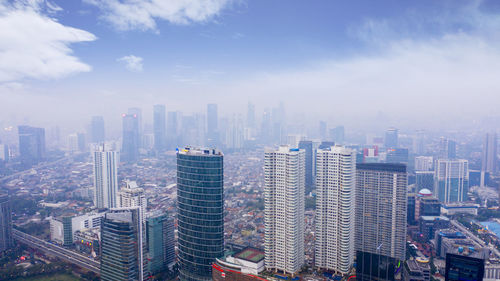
[(359, 58)]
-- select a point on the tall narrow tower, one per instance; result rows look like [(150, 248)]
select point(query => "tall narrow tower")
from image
[(335, 189), (159, 124), (284, 187), (380, 228), (105, 177), (200, 202)]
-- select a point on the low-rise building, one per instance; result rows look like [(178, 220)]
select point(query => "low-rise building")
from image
[(417, 270), (451, 209), (239, 264)]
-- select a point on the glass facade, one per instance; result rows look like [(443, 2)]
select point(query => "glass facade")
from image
[(200, 202), (121, 243), (460, 268), (5, 223)]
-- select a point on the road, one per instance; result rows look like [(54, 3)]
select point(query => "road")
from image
[(57, 251), (475, 238)]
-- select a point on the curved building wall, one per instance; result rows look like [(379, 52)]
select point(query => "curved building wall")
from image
[(200, 202)]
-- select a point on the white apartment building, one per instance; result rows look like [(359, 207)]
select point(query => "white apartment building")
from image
[(335, 220), (284, 189), (105, 177), (132, 196)]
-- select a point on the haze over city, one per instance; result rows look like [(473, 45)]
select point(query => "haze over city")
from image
[(407, 64), (249, 140)]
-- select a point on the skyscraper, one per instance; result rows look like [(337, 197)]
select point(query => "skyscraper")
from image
[(452, 180), (251, 123), (132, 196), (160, 128), (335, 187), (391, 138), (489, 156), (160, 242), (284, 184), (130, 139), (138, 113), (31, 145), (447, 148), (105, 177), (5, 223), (322, 130), (200, 202), (380, 229), (97, 129), (172, 129), (122, 245), (212, 126), (337, 134), (307, 146)]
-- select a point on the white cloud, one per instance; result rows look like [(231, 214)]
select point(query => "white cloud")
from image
[(33, 45), (142, 15), (132, 63)]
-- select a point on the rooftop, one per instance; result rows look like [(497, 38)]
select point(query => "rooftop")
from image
[(202, 151), (250, 254)]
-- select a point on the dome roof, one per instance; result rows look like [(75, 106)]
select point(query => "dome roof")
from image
[(425, 192)]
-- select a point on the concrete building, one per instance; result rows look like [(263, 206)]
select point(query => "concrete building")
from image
[(459, 208), (32, 148), (335, 187), (380, 226), (63, 228), (6, 241), (132, 196), (284, 184), (424, 163), (417, 270), (159, 127), (452, 180), (105, 177), (243, 264)]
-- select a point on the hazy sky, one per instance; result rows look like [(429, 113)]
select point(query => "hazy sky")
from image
[(427, 62)]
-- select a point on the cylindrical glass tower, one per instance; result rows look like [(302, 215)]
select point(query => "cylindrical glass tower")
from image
[(200, 200)]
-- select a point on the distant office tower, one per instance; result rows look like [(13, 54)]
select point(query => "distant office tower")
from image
[(307, 146), (489, 157), (419, 142), (463, 267), (251, 122), (160, 242), (452, 180), (138, 113), (265, 128), (424, 163), (5, 223), (4, 153), (337, 134), (447, 148), (424, 180), (130, 140), (397, 155), (200, 212), (172, 129), (212, 125), (122, 246), (284, 184), (380, 229), (234, 133), (391, 138), (82, 144), (31, 145), (132, 196), (335, 187), (160, 128), (97, 129), (105, 177), (322, 130)]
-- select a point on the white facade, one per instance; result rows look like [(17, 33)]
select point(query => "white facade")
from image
[(105, 178), (335, 187), (284, 189), (132, 196), (423, 163)]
